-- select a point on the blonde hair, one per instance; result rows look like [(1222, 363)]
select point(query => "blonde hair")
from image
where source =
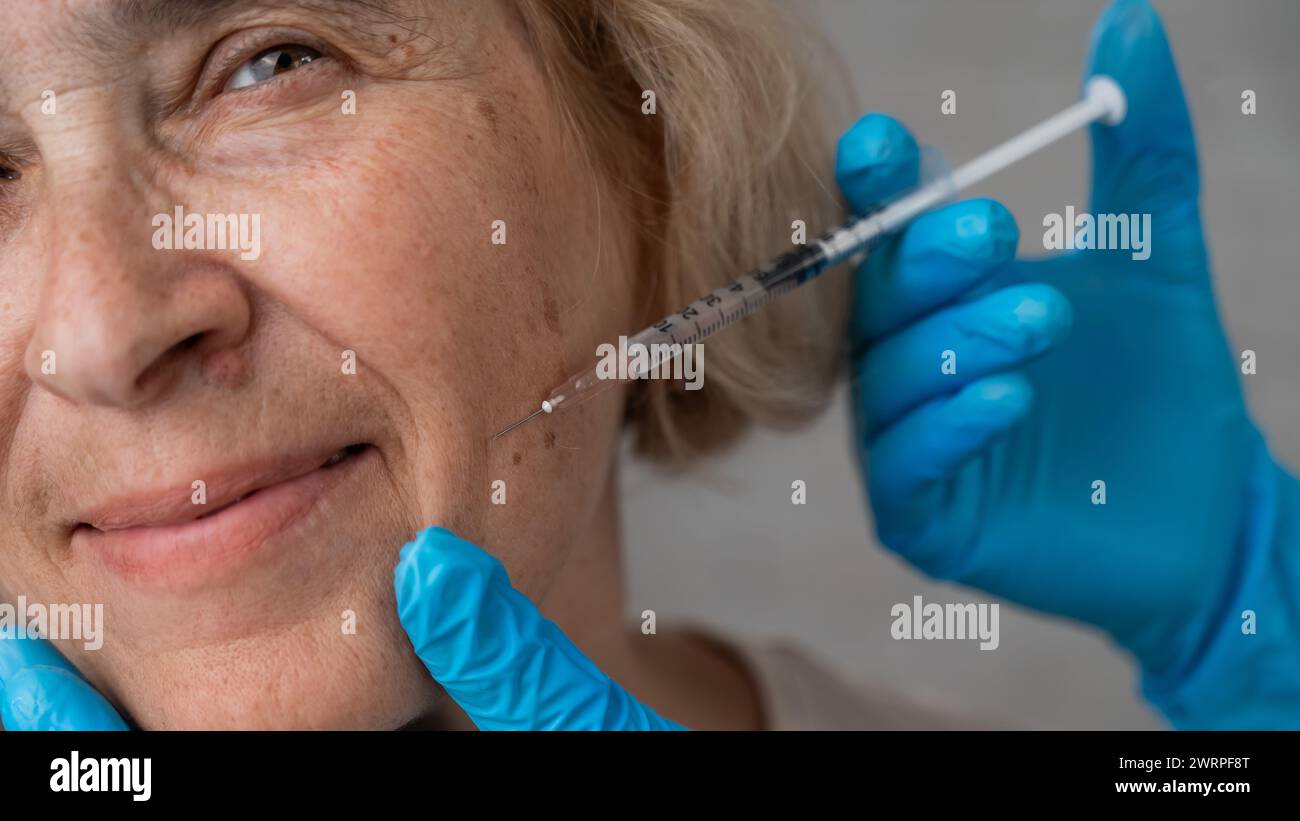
[(740, 146)]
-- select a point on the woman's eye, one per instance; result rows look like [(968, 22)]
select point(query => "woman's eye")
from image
[(269, 63), (7, 173)]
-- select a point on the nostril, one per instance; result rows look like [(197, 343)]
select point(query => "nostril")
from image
[(155, 374)]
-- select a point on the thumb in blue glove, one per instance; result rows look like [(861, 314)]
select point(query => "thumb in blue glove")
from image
[(507, 666), (41, 690)]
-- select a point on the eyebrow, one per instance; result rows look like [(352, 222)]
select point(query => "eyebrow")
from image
[(163, 16), (126, 18)]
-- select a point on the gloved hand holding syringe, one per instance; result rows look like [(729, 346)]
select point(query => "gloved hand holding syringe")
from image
[(1104, 101)]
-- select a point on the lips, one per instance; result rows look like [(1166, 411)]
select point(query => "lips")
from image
[(157, 534), (221, 490)]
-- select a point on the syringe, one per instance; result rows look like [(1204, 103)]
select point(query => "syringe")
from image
[(1103, 101)]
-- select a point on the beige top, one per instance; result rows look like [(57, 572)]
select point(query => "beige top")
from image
[(798, 692)]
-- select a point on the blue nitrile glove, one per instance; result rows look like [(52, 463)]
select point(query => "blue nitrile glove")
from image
[(41, 690), (986, 476), (507, 666)]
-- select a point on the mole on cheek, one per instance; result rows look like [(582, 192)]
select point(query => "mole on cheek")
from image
[(551, 314), (517, 458)]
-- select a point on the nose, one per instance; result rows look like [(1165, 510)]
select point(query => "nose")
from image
[(119, 322)]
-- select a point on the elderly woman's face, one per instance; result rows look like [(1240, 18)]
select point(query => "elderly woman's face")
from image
[(374, 155)]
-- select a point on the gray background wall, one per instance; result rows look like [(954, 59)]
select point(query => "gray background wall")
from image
[(724, 546)]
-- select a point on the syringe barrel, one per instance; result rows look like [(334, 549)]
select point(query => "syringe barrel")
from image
[(664, 341), (655, 349)]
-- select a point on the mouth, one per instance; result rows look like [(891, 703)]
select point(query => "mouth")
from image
[(193, 532), (333, 461)]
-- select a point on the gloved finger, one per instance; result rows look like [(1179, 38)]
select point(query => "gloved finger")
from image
[(876, 159), (507, 666), (1147, 163), (940, 257), (41, 690), (957, 346), (910, 461)]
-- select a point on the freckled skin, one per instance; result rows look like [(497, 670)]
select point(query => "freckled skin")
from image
[(226, 369), (375, 239)]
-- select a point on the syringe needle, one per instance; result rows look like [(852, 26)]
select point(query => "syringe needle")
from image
[(516, 424)]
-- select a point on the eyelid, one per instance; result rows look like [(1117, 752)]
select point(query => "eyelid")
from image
[(16, 161), (20, 152)]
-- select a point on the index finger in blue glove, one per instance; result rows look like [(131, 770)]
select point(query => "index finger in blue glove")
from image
[(41, 690), (507, 666), (941, 257)]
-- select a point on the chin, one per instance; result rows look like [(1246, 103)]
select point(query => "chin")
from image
[(312, 676)]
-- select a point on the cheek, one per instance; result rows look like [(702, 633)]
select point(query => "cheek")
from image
[(448, 262), (392, 255)]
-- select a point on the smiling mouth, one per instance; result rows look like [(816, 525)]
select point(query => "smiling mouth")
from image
[(115, 521), (162, 540)]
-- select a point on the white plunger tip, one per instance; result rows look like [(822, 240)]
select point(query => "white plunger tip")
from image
[(1106, 91)]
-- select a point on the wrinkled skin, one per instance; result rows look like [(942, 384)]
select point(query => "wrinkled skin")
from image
[(376, 235)]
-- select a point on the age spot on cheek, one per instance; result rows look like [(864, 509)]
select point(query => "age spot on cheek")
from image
[(489, 114), (517, 458), (549, 440)]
